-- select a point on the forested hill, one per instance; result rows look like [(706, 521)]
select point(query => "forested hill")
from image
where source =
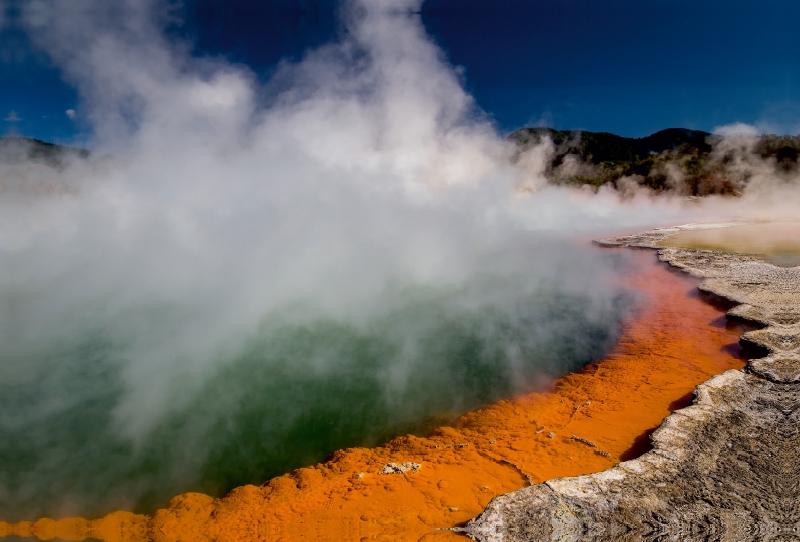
[(605, 147), (21, 149), (688, 161)]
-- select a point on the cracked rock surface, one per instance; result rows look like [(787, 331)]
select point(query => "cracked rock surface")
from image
[(726, 468)]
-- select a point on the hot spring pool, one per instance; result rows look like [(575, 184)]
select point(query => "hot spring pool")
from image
[(293, 392)]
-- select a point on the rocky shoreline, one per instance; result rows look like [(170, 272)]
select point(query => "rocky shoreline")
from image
[(724, 468)]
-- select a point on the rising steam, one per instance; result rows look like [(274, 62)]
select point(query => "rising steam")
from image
[(246, 258)]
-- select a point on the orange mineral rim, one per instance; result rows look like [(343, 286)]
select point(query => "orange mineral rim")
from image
[(412, 487)]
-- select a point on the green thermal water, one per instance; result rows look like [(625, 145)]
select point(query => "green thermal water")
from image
[(293, 394)]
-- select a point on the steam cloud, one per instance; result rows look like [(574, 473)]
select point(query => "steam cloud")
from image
[(219, 218)]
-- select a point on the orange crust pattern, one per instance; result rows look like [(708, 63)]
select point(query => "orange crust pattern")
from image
[(585, 422)]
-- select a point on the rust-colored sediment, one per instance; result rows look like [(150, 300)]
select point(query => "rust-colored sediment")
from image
[(675, 342)]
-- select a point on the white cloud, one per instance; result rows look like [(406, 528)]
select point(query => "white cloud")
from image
[(71, 114)]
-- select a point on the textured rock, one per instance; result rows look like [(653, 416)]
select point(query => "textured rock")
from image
[(725, 468), (399, 468)]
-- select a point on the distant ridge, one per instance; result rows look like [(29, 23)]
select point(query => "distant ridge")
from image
[(676, 159), (20, 149), (604, 146)]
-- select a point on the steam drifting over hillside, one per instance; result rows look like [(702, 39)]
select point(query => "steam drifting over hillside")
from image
[(240, 267)]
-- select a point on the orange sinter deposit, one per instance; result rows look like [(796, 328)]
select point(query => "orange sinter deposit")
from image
[(586, 422)]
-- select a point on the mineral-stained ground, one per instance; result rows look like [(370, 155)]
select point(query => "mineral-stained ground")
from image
[(725, 468), (585, 422)]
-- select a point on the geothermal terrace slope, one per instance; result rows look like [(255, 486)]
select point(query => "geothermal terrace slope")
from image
[(725, 468)]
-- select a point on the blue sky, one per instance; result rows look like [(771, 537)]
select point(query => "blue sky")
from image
[(628, 67)]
